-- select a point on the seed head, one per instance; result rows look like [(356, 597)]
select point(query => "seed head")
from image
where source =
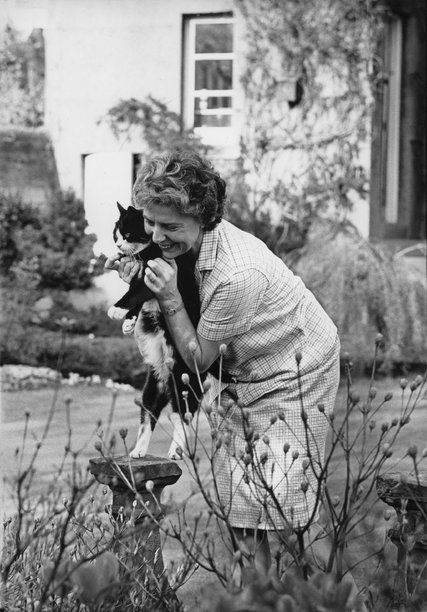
[(321, 407), (403, 383), (379, 339), (295, 454), (192, 346), (188, 417), (298, 357), (273, 420), (304, 486), (387, 452), (413, 385), (388, 396), (372, 392), (98, 446), (123, 432), (286, 447), (384, 427), (149, 485), (281, 415), (353, 396), (185, 379), (206, 385), (222, 349), (263, 457), (412, 451), (266, 439)]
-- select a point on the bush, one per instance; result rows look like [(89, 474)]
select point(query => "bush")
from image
[(365, 292), (56, 240), (115, 358), (93, 320)]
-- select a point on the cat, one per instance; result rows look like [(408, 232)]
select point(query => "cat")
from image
[(163, 384)]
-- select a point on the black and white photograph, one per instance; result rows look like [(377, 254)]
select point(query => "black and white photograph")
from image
[(213, 313)]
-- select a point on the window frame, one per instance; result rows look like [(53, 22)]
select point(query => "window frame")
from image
[(218, 135)]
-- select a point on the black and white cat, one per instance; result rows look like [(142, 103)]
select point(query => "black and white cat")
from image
[(163, 384)]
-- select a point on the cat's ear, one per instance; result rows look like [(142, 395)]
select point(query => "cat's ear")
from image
[(130, 207), (120, 207)]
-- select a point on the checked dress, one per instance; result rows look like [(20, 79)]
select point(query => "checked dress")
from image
[(266, 316)]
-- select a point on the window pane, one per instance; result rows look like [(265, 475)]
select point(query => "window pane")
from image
[(212, 120), (209, 102), (214, 38), (214, 74)]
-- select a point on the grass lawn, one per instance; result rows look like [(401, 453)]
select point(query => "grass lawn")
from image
[(91, 403)]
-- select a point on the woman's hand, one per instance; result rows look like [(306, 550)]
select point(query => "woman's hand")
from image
[(161, 278)]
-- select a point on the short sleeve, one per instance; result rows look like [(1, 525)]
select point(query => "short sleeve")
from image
[(233, 305)]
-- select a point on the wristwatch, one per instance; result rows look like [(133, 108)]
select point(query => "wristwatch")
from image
[(171, 311)]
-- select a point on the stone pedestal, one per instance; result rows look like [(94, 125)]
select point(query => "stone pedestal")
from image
[(116, 473), (407, 494)]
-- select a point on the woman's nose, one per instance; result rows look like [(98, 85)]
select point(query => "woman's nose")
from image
[(158, 235)]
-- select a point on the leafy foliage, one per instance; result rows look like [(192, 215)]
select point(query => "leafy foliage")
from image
[(21, 79), (365, 291), (160, 128), (307, 87), (55, 240), (292, 594), (117, 357)]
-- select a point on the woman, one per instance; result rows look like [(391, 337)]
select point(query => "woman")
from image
[(282, 350)]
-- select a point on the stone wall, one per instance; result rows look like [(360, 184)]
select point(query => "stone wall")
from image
[(27, 165)]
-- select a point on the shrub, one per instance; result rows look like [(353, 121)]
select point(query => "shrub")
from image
[(117, 358), (365, 292), (56, 240)]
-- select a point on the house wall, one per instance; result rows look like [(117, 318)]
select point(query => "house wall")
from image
[(98, 52)]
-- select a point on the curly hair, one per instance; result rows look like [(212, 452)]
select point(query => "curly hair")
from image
[(184, 180)]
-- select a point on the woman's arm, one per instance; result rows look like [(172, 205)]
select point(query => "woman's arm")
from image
[(160, 277)]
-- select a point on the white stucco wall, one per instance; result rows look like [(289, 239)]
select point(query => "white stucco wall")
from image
[(97, 52), (101, 51)]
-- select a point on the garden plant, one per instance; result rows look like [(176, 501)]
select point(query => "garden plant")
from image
[(66, 550)]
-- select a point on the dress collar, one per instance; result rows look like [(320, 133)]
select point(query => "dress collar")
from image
[(208, 249)]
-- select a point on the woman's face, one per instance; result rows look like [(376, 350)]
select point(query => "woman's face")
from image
[(173, 232)]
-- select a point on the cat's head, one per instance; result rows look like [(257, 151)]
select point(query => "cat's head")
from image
[(129, 233)]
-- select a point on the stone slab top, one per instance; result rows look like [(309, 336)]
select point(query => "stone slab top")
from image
[(393, 486), (160, 470)]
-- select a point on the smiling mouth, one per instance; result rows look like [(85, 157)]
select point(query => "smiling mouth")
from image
[(167, 246)]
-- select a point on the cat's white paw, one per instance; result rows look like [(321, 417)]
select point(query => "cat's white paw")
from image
[(128, 326), (116, 313), (142, 442)]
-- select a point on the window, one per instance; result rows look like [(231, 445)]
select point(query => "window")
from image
[(209, 77)]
